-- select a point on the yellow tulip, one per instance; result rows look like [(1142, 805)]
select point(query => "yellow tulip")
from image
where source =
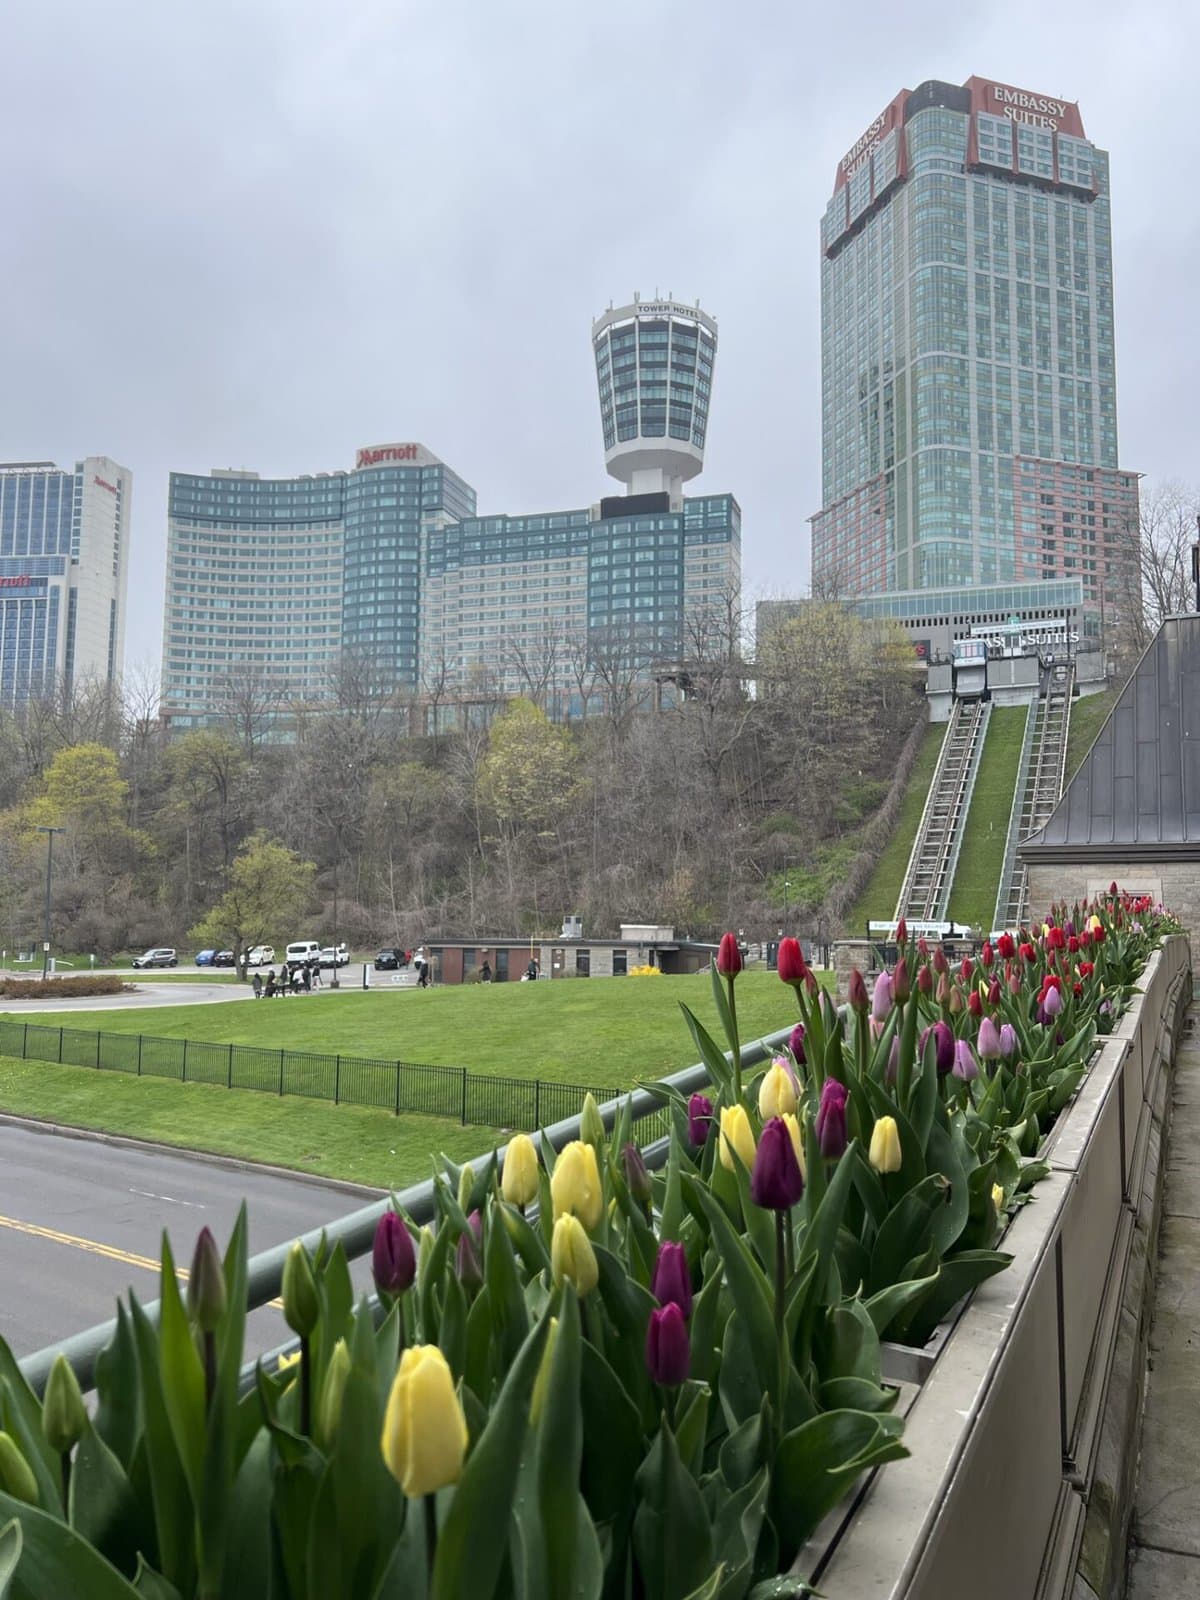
[(885, 1154), (736, 1135), (286, 1361), (424, 1431), (998, 1198), (575, 1185), (793, 1128), (776, 1093), (572, 1256), (519, 1181)]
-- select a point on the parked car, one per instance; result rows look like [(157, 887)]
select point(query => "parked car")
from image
[(390, 960), (261, 956), (302, 950), (330, 957), (159, 956), (204, 958), (223, 958)]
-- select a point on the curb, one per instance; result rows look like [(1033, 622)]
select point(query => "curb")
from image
[(209, 1158)]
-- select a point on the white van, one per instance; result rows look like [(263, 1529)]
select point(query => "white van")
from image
[(302, 951)]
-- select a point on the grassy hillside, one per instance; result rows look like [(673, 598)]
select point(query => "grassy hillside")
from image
[(981, 859), (878, 900)]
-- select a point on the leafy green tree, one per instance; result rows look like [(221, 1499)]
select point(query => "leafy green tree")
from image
[(270, 888)]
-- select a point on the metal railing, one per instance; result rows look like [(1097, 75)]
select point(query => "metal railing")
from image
[(356, 1230)]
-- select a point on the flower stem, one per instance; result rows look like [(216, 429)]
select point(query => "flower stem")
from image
[(65, 1463), (791, 1246), (431, 1536), (781, 1280), (210, 1368), (737, 1049)]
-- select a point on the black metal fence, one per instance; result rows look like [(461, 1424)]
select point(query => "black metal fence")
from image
[(477, 1098)]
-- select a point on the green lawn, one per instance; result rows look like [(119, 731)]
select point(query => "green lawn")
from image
[(1088, 715), (371, 1147), (981, 859), (599, 1031), (878, 900)]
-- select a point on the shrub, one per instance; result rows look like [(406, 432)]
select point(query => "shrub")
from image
[(60, 988)]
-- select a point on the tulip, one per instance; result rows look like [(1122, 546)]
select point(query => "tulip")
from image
[(940, 964), (668, 1351), (329, 1412), (993, 994), (591, 1123), (736, 1136), (885, 1154), (790, 962), (943, 1042), (858, 993), (572, 1257), (636, 1177), (1008, 1040), (796, 1044), (923, 947), (466, 1261), (998, 1198), (1073, 945), (975, 1003), (1099, 935), (988, 1040), (393, 1259), (1112, 889), (925, 981), (965, 969), (831, 1119), (776, 1183), (64, 1415), (206, 1284), (965, 1065), (425, 1433), (902, 932), (1028, 954), (1006, 945), (942, 994), (1014, 984), (575, 1185), (987, 955), (955, 1003), (901, 987), (671, 1283), (1086, 968), (729, 956), (1069, 929), (1056, 939), (1052, 1002), (16, 1475), (466, 1187), (793, 1127), (301, 1307), (520, 1178), (777, 1092), (700, 1115), (881, 1000)]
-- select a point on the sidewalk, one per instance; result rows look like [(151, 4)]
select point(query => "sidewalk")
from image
[(1164, 1545)]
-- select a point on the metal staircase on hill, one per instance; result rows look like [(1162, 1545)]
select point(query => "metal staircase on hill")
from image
[(1037, 796), (926, 887)]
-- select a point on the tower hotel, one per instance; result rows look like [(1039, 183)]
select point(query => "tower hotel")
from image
[(64, 565), (969, 413), (278, 577)]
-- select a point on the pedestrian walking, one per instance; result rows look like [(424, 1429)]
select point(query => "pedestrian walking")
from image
[(316, 975), (257, 986), (306, 978), (271, 984), (485, 971)]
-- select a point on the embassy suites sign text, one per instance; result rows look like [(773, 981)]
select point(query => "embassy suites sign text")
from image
[(1017, 106)]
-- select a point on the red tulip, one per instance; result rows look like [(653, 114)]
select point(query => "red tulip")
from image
[(729, 956), (1006, 946), (965, 968), (902, 932), (974, 1003), (791, 965), (987, 955), (858, 993), (925, 980)]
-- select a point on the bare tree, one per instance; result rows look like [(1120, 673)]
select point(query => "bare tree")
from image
[(535, 659), (619, 659), (580, 667), (249, 699), (1154, 579)]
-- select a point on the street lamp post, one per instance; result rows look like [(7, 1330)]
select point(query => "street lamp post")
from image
[(49, 832), (787, 884)]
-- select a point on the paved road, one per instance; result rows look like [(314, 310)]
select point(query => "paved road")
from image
[(162, 992), (81, 1221)]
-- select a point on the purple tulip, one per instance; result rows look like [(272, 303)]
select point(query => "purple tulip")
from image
[(672, 1281), (466, 1259), (636, 1176), (796, 1043), (881, 1000), (965, 1065), (988, 1040), (393, 1259), (668, 1352), (1069, 929), (831, 1119), (943, 1045), (1052, 1002), (1008, 1040), (776, 1182), (700, 1119)]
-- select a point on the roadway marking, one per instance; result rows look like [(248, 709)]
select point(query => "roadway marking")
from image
[(148, 1194)]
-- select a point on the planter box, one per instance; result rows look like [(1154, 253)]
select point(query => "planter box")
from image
[(1004, 1429)]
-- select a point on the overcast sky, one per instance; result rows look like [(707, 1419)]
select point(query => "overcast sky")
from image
[(261, 234)]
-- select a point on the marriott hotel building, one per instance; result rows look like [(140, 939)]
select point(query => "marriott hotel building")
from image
[(969, 406)]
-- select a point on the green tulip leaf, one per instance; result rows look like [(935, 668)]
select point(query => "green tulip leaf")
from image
[(710, 1054), (56, 1561), (958, 1277), (736, 1531), (174, 1514), (888, 1304), (907, 1231), (672, 1538), (10, 1555), (613, 1427), (452, 1336), (707, 1329), (182, 1373), (751, 1293), (671, 1219), (856, 1394), (510, 1314), (559, 1451), (479, 1361), (104, 1509), (115, 1420), (949, 1219), (31, 1442), (151, 1585), (247, 1574), (817, 1463), (691, 1424), (746, 1448)]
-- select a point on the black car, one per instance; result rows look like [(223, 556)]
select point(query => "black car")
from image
[(223, 958), (390, 961)]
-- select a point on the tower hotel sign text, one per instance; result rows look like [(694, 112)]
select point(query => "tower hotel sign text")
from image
[(1018, 106), (381, 455)]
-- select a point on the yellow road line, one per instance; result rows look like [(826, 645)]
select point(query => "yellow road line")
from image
[(93, 1247)]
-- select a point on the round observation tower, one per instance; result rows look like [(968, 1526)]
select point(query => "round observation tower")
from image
[(654, 367)]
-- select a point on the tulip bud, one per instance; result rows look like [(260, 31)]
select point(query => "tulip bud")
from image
[(16, 1475), (64, 1415), (858, 993), (572, 1257), (901, 987), (636, 1176), (955, 1003), (796, 1044), (425, 1433), (729, 956), (885, 1154), (700, 1118), (301, 1307), (591, 1123), (943, 1043), (1052, 1002), (1008, 1040), (902, 932), (672, 1280), (881, 999), (975, 1003), (925, 981), (1112, 889), (987, 955), (988, 1040), (940, 964), (790, 962), (206, 1284), (792, 1125), (965, 1065), (942, 995), (998, 1198), (923, 948), (736, 1136), (519, 1180), (776, 1182), (393, 1260), (466, 1187), (329, 1412), (668, 1350), (467, 1265), (965, 969), (1006, 946), (831, 1119), (993, 995), (777, 1092), (575, 1185)]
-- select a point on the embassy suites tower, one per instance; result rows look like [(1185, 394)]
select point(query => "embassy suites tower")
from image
[(969, 409)]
